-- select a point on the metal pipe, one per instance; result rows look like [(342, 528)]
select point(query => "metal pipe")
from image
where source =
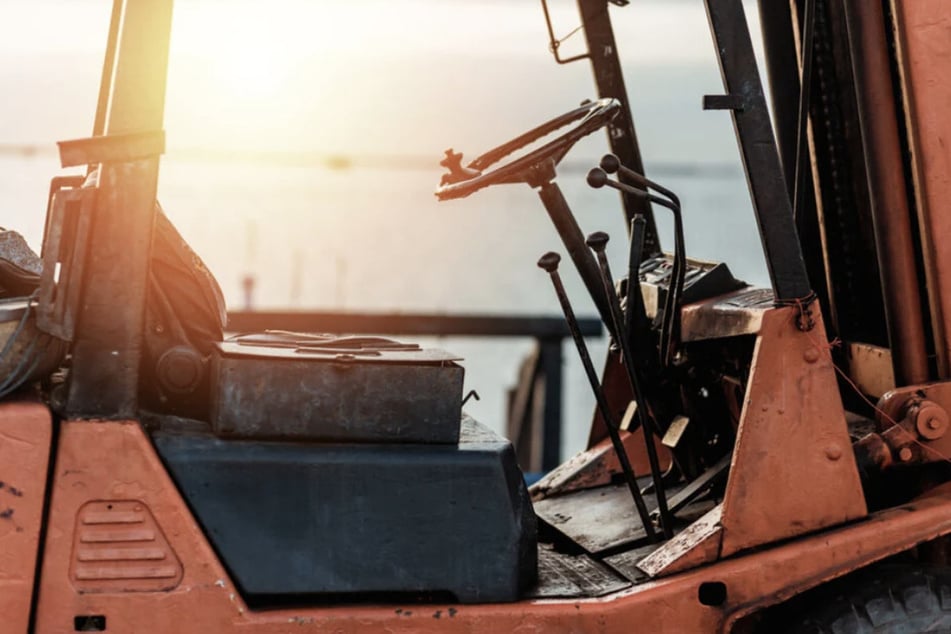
[(549, 262), (888, 194)]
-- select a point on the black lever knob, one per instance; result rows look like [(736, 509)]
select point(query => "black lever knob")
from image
[(598, 241), (549, 262), (610, 163), (597, 178)]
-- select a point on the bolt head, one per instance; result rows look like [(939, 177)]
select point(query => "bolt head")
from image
[(549, 261), (811, 355), (931, 420), (833, 452), (905, 454)]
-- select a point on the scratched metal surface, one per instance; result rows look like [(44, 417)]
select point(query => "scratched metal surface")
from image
[(604, 518)]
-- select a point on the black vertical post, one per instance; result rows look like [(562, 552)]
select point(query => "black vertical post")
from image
[(776, 23), (551, 362), (757, 145), (610, 81)]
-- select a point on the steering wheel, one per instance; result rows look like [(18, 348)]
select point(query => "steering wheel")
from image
[(461, 181)]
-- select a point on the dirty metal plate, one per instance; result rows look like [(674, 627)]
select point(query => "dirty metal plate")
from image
[(604, 519), (567, 576), (596, 519), (698, 544), (729, 315), (692, 525), (625, 563)]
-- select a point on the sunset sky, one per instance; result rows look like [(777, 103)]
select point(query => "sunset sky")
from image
[(360, 76)]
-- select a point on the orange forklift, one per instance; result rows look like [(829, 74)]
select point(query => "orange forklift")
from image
[(760, 459)]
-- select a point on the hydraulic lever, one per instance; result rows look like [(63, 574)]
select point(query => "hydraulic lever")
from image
[(598, 241), (549, 262), (636, 315), (598, 177)]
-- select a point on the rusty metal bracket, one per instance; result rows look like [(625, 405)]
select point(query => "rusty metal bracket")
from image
[(914, 421), (723, 102), (792, 408), (64, 259), (112, 148)]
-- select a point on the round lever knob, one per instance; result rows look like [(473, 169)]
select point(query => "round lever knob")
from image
[(597, 241), (549, 261), (597, 178), (610, 163)]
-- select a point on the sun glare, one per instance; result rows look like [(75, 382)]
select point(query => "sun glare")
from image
[(250, 74)]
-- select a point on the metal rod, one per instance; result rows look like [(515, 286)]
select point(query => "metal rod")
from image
[(805, 91), (670, 328), (670, 333), (108, 65), (549, 262), (571, 236), (636, 316), (597, 242), (888, 194)]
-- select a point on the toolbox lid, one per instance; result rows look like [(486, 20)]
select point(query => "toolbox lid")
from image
[(293, 346)]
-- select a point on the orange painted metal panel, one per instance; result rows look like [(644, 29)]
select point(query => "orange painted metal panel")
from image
[(793, 469), (923, 29), (25, 433), (110, 460)]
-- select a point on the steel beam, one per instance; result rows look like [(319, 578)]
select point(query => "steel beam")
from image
[(107, 350), (757, 145)]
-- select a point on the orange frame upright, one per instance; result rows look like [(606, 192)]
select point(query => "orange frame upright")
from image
[(25, 435)]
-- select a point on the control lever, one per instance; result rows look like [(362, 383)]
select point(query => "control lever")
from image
[(549, 262), (636, 316), (597, 178), (597, 242)]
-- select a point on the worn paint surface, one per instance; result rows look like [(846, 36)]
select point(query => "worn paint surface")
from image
[(102, 460), (923, 30), (598, 466), (25, 433), (793, 469)]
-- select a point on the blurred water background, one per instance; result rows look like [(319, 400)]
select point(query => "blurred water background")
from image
[(304, 140)]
